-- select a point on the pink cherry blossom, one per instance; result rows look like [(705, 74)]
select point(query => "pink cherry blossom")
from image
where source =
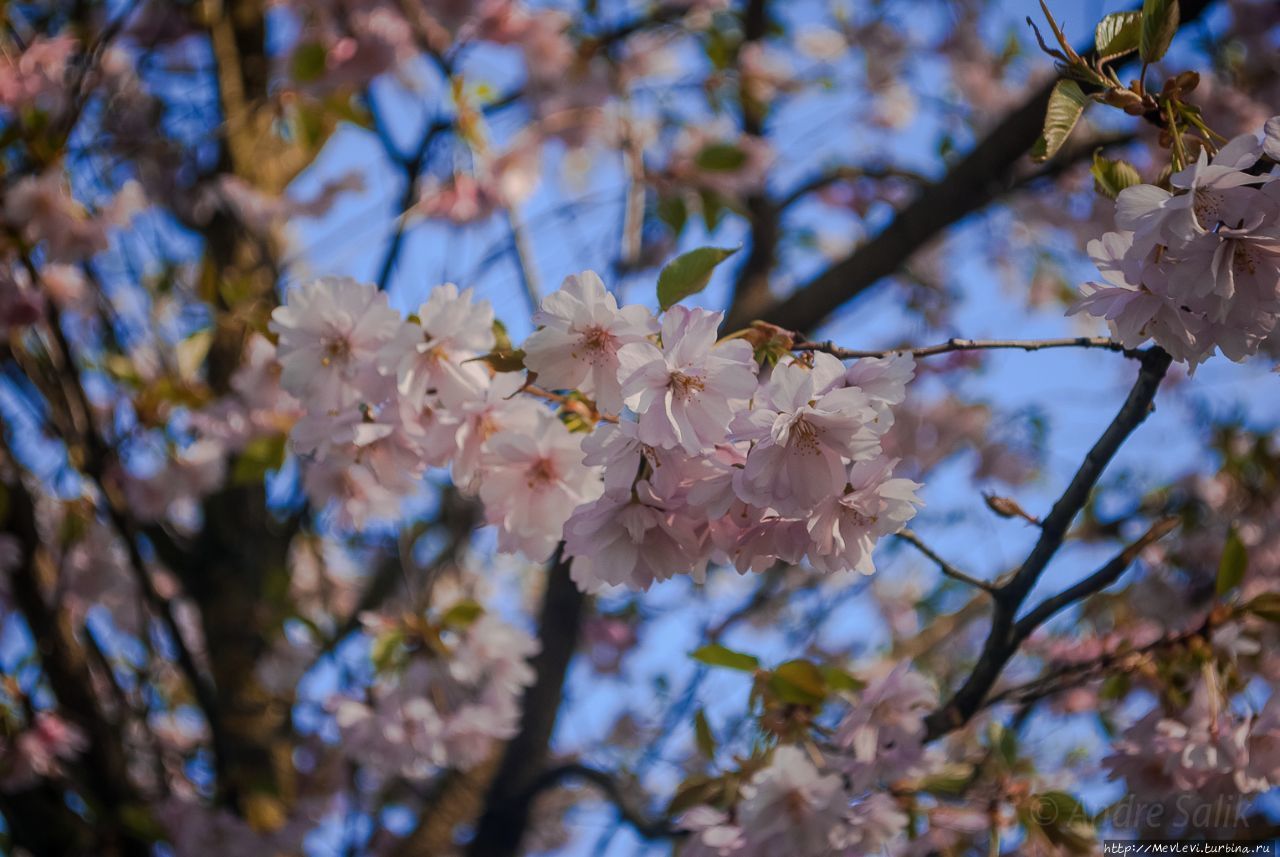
[(331, 331), (684, 393), (803, 437), (845, 527), (791, 807), (630, 541), (531, 484), (455, 329), (581, 330)]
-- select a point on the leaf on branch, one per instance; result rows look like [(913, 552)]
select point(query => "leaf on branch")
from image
[(799, 682), (462, 614), (1265, 606), (720, 158), (716, 655), (1235, 559), (689, 273), (1159, 23), (842, 680), (706, 741), (511, 360), (309, 62), (673, 212), (1066, 105), (1117, 35), (1112, 176), (191, 353), (951, 780)]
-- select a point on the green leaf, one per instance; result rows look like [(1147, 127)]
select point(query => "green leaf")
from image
[(713, 209), (1066, 104), (1005, 743), (1117, 35), (309, 61), (720, 157), (702, 734), (697, 789), (952, 780), (501, 339), (1114, 686), (1265, 606), (1110, 177), (462, 614), (386, 649), (511, 360), (1159, 23), (716, 655), (799, 682), (838, 679), (1235, 559), (673, 212), (688, 274)]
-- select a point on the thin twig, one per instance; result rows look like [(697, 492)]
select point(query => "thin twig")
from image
[(952, 345), (945, 567)]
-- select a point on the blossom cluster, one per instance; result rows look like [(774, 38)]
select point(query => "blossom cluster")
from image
[(683, 449), (810, 804), (444, 708), (1207, 750), (1196, 267)]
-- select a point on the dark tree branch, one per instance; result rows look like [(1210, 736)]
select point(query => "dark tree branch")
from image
[(1004, 637), (505, 818), (1096, 582), (67, 670)]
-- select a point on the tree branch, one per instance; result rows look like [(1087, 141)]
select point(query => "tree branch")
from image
[(945, 567), (1003, 639), (505, 818), (972, 345), (1096, 582)]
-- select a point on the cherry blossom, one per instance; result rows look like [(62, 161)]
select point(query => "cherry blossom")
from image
[(630, 541), (845, 527), (455, 330), (582, 328), (1197, 268), (792, 806), (684, 394), (803, 434), (331, 331), (531, 484)]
